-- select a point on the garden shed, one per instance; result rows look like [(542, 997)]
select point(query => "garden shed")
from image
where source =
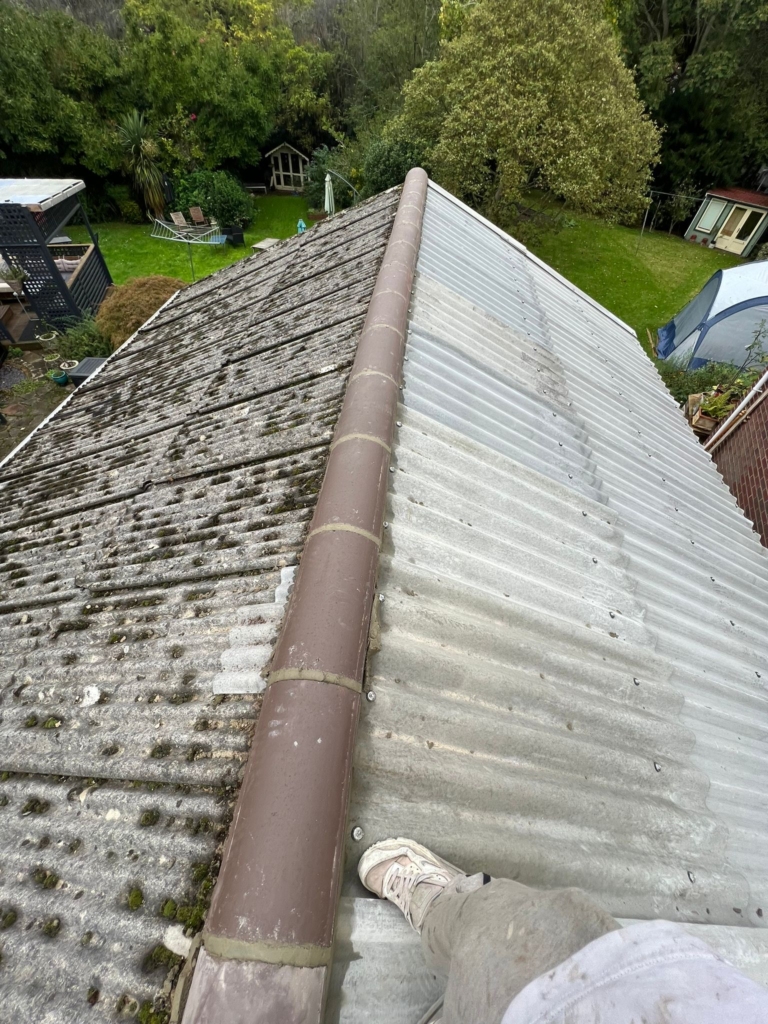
[(288, 167), (727, 322), (46, 279), (733, 219)]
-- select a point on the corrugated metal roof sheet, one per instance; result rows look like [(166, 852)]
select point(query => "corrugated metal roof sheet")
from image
[(146, 532), (42, 192), (571, 682)]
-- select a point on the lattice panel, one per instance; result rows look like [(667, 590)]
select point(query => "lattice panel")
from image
[(51, 222), (17, 226), (21, 243)]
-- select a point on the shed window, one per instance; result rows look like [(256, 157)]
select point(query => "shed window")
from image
[(749, 225), (708, 219), (734, 219)]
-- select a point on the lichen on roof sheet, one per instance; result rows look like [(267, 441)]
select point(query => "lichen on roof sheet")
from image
[(147, 528)]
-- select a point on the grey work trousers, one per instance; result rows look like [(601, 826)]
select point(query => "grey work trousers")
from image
[(491, 940)]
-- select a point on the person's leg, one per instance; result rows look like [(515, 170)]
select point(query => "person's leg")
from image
[(488, 940)]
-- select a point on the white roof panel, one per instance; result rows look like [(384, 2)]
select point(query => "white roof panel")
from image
[(41, 192), (571, 683)]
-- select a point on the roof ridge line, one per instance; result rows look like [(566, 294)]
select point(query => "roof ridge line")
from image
[(280, 876)]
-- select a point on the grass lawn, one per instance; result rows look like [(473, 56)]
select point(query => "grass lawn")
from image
[(131, 252), (645, 284)]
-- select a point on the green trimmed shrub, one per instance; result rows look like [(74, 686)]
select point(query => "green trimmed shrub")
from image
[(126, 308)]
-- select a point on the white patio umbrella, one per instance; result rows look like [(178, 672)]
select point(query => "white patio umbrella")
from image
[(329, 205)]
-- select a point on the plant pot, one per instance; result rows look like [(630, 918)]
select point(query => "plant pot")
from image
[(48, 336), (235, 235), (59, 377), (67, 365)]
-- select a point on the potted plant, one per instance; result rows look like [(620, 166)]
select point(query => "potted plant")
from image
[(13, 274), (230, 205), (59, 377)]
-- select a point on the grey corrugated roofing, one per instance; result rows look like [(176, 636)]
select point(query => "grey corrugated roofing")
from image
[(147, 533), (570, 688)]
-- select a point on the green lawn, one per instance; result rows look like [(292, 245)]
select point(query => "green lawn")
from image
[(131, 252), (645, 284)]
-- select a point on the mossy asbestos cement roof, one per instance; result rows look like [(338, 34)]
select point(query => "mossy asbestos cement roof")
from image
[(145, 532)]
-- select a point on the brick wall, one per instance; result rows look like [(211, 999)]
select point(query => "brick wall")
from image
[(743, 462)]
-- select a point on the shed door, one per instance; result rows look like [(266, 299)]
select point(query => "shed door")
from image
[(738, 229)]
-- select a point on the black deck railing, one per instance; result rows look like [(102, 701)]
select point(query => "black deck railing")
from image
[(88, 283)]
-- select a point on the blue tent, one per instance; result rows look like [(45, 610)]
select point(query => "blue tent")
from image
[(722, 321)]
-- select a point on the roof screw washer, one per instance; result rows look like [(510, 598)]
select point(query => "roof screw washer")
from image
[(357, 833), (370, 696)]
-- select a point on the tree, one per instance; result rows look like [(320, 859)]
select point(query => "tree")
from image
[(60, 84), (140, 148), (376, 44), (532, 94), (219, 62), (305, 114), (701, 67)]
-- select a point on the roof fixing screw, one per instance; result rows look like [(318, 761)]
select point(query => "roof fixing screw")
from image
[(357, 833), (381, 597), (391, 469), (635, 680), (594, 560), (691, 876), (371, 696), (386, 526), (399, 423), (657, 766)]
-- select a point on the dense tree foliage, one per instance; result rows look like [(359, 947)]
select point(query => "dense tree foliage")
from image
[(493, 95), (60, 84), (701, 67), (214, 79), (527, 95), (375, 45)]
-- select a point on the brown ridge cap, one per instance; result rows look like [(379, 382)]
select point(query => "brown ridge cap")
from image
[(269, 932)]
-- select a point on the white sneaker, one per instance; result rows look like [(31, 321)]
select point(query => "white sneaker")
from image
[(407, 874)]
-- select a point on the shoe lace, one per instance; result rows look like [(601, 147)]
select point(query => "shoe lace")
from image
[(401, 880)]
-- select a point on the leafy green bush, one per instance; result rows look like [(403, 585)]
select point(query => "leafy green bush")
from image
[(682, 382), (81, 339), (218, 194), (387, 161)]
